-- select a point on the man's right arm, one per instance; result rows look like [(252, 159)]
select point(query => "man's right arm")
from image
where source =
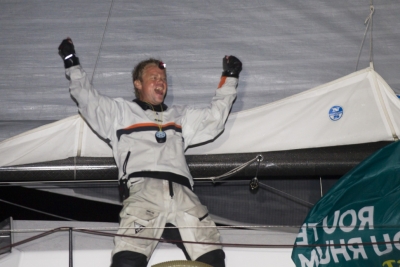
[(98, 110)]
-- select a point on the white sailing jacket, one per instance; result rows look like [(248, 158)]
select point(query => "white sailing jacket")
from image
[(131, 129)]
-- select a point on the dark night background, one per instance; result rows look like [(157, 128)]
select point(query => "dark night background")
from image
[(254, 207), (61, 205)]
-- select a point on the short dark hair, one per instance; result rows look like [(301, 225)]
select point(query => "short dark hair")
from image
[(137, 72)]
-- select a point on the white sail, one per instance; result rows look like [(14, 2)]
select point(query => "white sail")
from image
[(367, 110)]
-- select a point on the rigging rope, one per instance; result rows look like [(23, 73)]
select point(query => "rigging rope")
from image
[(368, 22), (35, 210), (231, 172), (288, 195), (101, 43), (372, 9)]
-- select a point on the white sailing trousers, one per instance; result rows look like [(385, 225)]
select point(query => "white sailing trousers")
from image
[(150, 206)]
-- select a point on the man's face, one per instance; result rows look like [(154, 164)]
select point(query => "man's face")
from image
[(153, 88)]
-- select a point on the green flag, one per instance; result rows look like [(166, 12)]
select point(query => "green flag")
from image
[(357, 223)]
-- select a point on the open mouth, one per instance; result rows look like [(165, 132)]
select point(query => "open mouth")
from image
[(159, 91)]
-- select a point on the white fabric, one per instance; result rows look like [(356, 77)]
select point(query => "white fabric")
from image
[(54, 141), (114, 119), (148, 209), (299, 121), (302, 120)]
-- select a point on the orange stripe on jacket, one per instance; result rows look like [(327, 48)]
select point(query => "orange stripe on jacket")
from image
[(221, 82), (172, 124), (139, 125)]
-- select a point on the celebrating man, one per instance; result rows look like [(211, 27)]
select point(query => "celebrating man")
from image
[(148, 139)]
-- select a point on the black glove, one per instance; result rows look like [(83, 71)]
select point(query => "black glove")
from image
[(67, 52), (231, 66)]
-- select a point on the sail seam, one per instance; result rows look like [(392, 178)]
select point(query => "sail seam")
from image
[(383, 106)]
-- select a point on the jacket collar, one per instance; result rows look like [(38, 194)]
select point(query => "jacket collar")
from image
[(145, 106)]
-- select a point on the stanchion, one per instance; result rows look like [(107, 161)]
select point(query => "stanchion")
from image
[(70, 248)]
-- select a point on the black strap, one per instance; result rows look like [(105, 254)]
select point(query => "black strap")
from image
[(171, 189), (169, 176)]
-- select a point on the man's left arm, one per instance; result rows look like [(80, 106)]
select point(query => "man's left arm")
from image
[(204, 124)]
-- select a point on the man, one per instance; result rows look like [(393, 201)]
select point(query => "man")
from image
[(148, 140)]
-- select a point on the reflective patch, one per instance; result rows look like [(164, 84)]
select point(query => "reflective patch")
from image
[(150, 213), (335, 113), (138, 227)]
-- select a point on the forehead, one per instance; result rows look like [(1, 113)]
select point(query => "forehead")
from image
[(153, 69)]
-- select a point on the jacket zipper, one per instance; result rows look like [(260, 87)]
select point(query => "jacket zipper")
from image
[(126, 163)]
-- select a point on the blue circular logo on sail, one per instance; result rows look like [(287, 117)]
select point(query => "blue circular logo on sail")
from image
[(335, 113)]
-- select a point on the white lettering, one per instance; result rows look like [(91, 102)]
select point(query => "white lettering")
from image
[(359, 250), (302, 234), (353, 223), (389, 246), (313, 226), (327, 258), (309, 263), (333, 228), (369, 219), (364, 215), (341, 250), (396, 240)]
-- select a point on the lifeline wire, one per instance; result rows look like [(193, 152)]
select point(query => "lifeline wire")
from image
[(180, 241), (190, 227), (166, 227), (233, 244), (101, 43)]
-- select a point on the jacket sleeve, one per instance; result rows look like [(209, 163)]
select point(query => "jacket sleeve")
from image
[(203, 124), (99, 111)]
